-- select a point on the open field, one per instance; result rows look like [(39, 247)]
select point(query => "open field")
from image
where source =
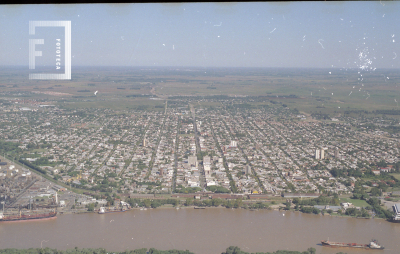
[(325, 91), (396, 175), (356, 202)]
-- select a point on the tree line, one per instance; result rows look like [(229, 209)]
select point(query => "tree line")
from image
[(90, 251), (76, 250)]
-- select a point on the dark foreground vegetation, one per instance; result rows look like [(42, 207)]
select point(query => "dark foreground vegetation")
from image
[(91, 251), (230, 250)]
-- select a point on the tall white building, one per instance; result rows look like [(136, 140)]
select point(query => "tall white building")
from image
[(206, 160), (322, 154), (192, 160), (233, 143), (317, 154), (207, 170)]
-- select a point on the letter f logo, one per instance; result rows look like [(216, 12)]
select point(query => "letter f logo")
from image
[(33, 53)]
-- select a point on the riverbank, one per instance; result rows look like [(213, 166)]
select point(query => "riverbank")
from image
[(271, 208)]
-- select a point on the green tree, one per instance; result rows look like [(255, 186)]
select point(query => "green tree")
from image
[(189, 202), (312, 250), (238, 203), (375, 192), (216, 201), (147, 203), (91, 207)]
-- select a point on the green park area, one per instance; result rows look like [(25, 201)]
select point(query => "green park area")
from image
[(396, 175), (355, 202)]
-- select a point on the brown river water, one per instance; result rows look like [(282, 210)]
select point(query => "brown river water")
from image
[(200, 231)]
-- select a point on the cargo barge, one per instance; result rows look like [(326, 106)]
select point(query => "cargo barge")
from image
[(372, 245), (24, 217)]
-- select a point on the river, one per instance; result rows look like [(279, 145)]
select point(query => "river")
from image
[(201, 231)]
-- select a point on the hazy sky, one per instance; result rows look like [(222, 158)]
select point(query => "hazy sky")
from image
[(298, 34)]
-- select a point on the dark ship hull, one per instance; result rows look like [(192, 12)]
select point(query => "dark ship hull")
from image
[(28, 217)]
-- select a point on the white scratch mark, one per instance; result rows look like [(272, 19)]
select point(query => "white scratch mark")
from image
[(304, 38), (319, 41), (330, 72), (382, 3), (351, 92), (338, 107), (332, 93), (163, 44), (383, 15), (396, 102), (395, 55), (219, 24), (324, 88), (272, 31), (173, 47), (95, 93)]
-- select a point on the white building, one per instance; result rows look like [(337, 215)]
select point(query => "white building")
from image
[(207, 170), (396, 209), (206, 160), (317, 154), (192, 160)]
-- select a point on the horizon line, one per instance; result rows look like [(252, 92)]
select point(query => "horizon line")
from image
[(199, 67)]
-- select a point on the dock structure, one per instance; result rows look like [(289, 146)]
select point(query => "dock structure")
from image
[(396, 210)]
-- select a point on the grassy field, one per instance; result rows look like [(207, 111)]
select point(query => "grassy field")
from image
[(396, 175), (329, 91), (356, 202)]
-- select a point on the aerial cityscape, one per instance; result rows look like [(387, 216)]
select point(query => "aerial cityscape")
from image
[(200, 149)]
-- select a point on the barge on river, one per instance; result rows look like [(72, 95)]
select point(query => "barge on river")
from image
[(24, 217), (372, 245)]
